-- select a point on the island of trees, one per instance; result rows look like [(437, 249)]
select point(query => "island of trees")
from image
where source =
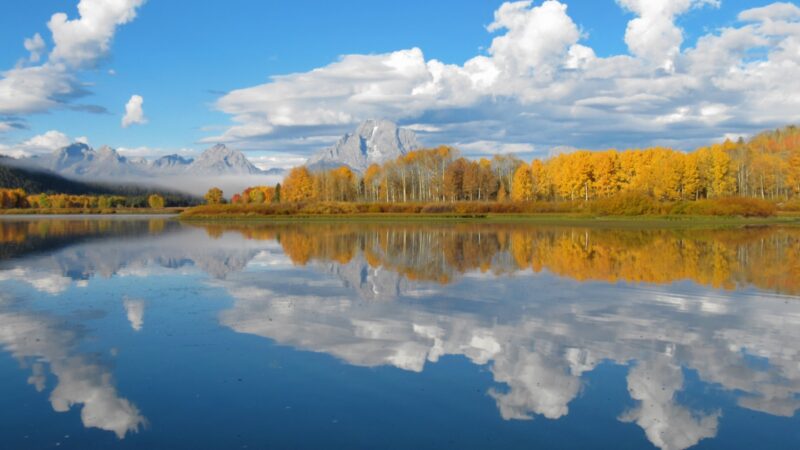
[(756, 177)]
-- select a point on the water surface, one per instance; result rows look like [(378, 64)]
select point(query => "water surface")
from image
[(148, 333)]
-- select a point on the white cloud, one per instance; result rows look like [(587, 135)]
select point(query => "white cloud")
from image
[(78, 43), (40, 144), (34, 45), (775, 11), (540, 84), (536, 40), (134, 114), (83, 41), (653, 36)]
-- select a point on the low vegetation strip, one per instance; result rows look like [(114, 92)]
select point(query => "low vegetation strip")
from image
[(624, 205)]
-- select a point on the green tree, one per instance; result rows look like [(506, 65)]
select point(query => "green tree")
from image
[(276, 196)]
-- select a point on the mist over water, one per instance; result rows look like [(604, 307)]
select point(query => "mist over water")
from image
[(145, 332)]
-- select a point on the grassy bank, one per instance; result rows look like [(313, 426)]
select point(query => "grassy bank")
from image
[(87, 211), (549, 214)]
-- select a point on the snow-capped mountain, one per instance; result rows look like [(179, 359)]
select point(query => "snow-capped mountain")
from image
[(374, 141), (220, 160), (78, 160)]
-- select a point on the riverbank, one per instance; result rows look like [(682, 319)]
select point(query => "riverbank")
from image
[(89, 211), (238, 215)]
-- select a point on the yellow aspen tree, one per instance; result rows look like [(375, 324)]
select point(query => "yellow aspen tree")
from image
[(298, 185), (522, 184)]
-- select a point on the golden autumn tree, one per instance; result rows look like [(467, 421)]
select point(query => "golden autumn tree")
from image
[(155, 201), (214, 196), (540, 180), (298, 185), (372, 182), (522, 184), (793, 172), (721, 177)]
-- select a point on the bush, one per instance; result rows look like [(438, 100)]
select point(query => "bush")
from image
[(627, 204), (792, 205), (727, 206)]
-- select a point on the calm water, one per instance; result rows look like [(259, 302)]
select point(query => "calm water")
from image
[(145, 333)]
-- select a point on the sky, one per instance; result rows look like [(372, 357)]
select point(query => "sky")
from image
[(280, 80)]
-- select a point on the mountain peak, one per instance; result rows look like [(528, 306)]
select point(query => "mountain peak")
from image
[(74, 150), (220, 160), (374, 141)]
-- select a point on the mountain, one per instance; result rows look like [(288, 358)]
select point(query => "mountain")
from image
[(171, 163), (32, 181), (80, 161), (220, 160), (35, 181), (374, 142)]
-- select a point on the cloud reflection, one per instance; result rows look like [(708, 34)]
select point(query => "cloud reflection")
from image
[(540, 308), (46, 343)]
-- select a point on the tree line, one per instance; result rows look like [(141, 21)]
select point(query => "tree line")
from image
[(19, 199), (765, 167)]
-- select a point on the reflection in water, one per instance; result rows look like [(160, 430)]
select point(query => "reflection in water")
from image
[(134, 308), (764, 257), (407, 295), (43, 342)]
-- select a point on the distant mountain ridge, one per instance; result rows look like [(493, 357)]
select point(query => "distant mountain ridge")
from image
[(79, 160), (373, 142), (35, 181)]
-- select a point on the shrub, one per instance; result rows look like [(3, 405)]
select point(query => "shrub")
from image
[(727, 206), (627, 204)]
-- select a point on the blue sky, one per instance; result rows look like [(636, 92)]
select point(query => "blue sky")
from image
[(183, 60)]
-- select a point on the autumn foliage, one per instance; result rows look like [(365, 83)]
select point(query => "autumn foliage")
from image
[(730, 178)]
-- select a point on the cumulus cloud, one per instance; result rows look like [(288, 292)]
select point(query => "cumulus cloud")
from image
[(134, 114), (83, 41), (41, 144), (79, 43), (653, 35), (34, 45), (540, 84)]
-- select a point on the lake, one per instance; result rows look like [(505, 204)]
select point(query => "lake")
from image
[(143, 332)]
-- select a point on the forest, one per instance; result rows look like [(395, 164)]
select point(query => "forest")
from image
[(737, 178), (27, 188)]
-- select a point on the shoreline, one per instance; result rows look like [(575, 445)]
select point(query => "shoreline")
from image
[(90, 212), (555, 219)]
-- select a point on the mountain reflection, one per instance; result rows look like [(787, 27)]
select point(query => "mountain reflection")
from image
[(540, 307), (765, 257)]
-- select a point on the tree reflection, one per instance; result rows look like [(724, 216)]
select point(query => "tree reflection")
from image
[(764, 257)]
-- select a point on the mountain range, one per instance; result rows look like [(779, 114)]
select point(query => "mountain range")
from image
[(79, 160), (374, 142)]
